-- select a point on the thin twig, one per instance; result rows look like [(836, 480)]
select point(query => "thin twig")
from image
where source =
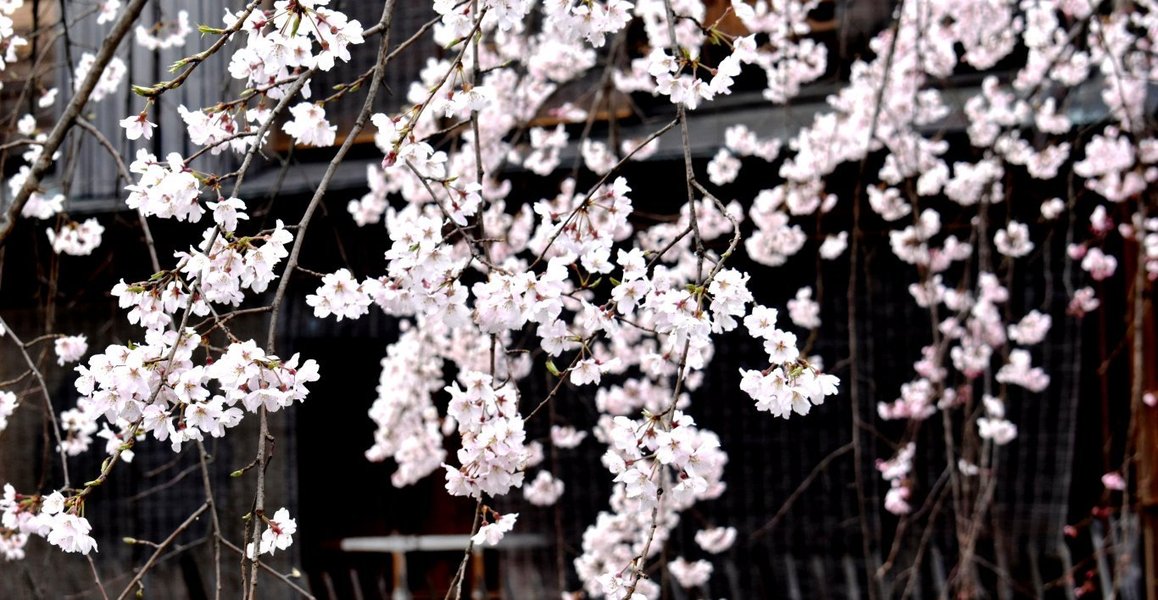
[(161, 548), (853, 330), (43, 387), (192, 62), (268, 569), (295, 252), (594, 188), (203, 461), (96, 576), (460, 574), (820, 467), (123, 171)]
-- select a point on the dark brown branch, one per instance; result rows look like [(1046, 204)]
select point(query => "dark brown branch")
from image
[(799, 491), (161, 548), (71, 112), (295, 252), (192, 62), (47, 399)]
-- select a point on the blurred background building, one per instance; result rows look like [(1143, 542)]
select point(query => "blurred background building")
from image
[(790, 488)]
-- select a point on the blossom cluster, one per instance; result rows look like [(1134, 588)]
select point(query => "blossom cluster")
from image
[(658, 301), (155, 389), (491, 533), (281, 40), (52, 517), (164, 34), (110, 78), (67, 236), (169, 189), (648, 455), (281, 45), (896, 471), (217, 276), (10, 42), (493, 453), (789, 384), (408, 425), (77, 239)]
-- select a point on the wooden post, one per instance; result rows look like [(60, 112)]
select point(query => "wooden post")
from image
[(401, 584), (478, 575), (1144, 378), (1148, 455)]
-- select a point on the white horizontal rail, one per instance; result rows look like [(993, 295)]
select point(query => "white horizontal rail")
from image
[(433, 543)]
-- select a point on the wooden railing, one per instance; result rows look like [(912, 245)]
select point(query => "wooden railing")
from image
[(474, 585)]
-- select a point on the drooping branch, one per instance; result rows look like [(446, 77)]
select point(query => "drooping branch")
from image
[(42, 387), (68, 118)]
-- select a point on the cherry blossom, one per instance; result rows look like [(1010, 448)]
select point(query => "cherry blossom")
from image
[(138, 126), (1099, 264), (339, 295), (110, 78), (690, 574), (1000, 431), (1014, 240), (1113, 481), (1031, 329), (716, 540), (277, 535), (543, 490), (70, 533), (43, 207), (107, 10), (566, 437), (226, 213), (8, 406), (309, 126), (164, 34), (834, 246), (624, 309), (1019, 372), (70, 349), (1052, 208), (803, 310), (895, 471), (77, 239), (493, 454), (492, 533)]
